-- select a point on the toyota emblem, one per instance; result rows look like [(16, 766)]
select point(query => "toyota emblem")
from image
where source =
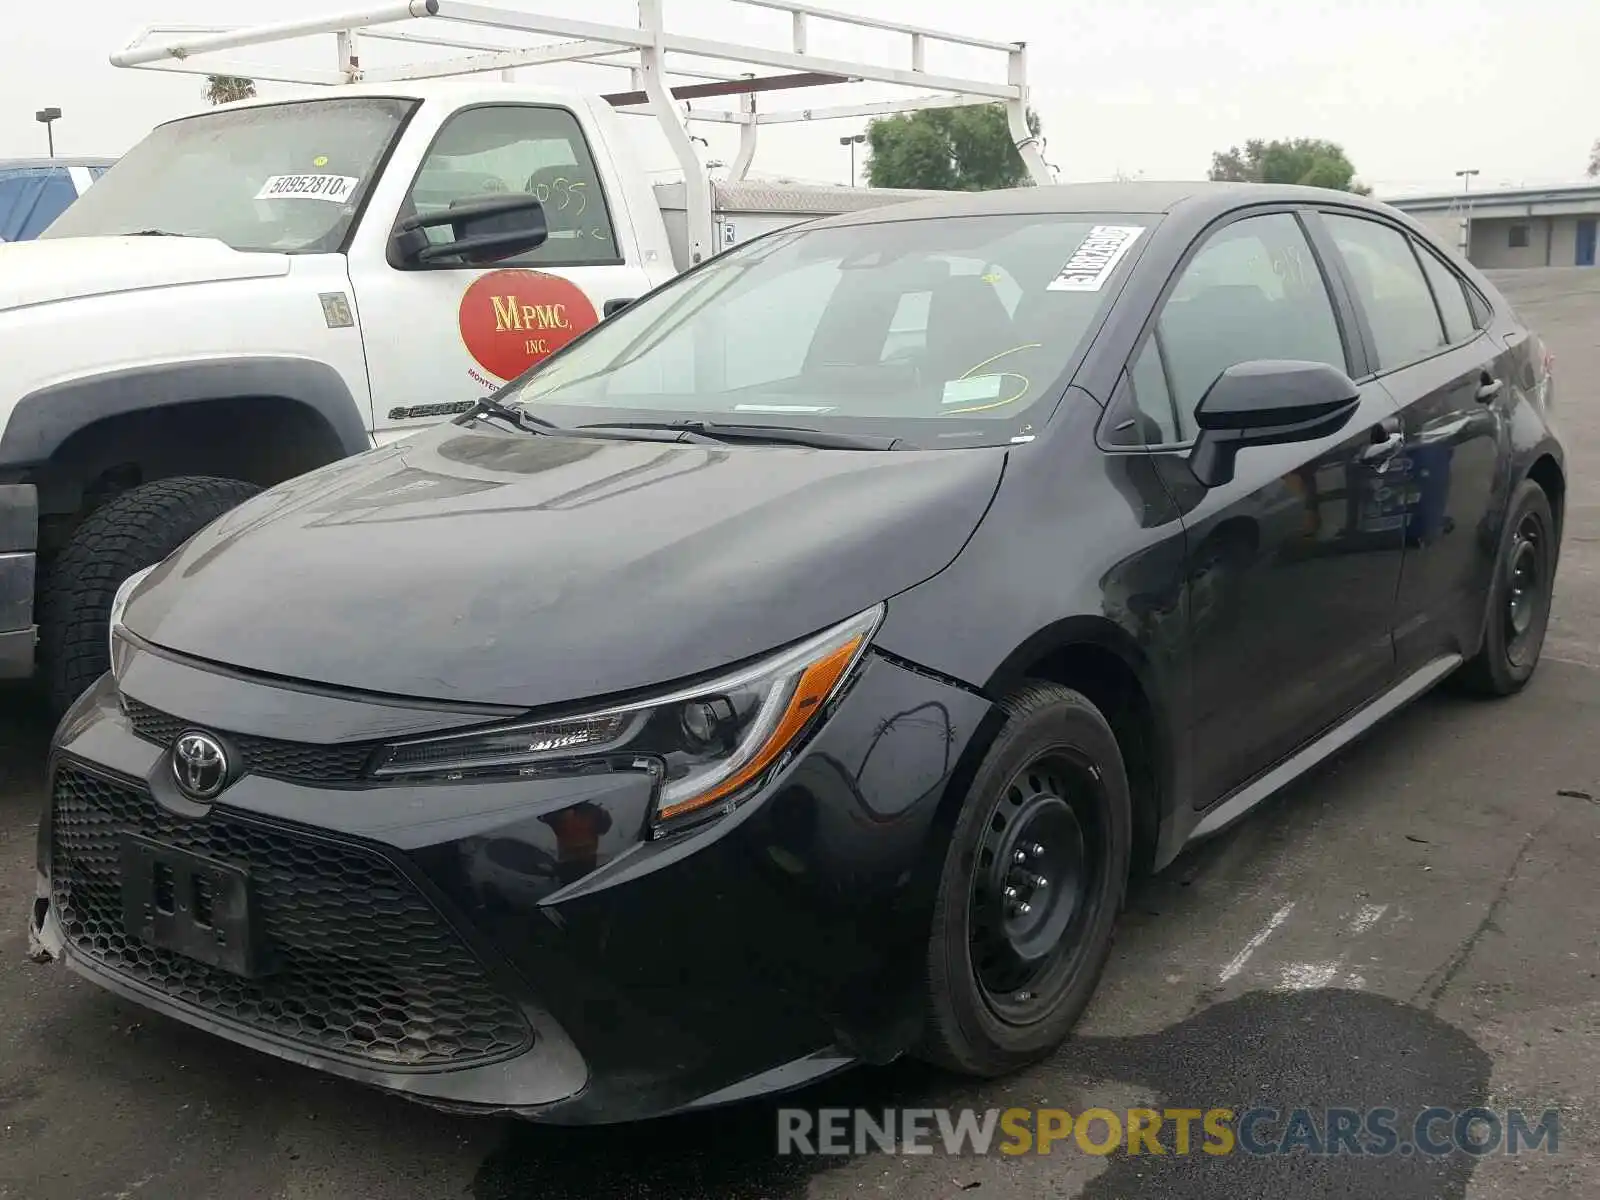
[(200, 765)]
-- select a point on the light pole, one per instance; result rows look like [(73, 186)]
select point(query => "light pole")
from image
[(853, 142), (47, 117), (1466, 212)]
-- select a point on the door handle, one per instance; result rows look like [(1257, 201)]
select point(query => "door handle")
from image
[(616, 305), (1489, 388), (1381, 452)]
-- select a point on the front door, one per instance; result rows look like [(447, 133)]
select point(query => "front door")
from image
[(447, 332), (1445, 373), (1292, 566), (1586, 228)]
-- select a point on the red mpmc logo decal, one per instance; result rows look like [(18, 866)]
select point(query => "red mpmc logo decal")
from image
[(511, 320)]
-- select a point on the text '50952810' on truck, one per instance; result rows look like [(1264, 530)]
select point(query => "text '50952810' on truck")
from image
[(279, 283)]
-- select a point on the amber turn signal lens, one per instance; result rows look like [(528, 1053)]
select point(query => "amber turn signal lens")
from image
[(817, 683)]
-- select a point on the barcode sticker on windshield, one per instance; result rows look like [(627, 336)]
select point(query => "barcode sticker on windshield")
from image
[(1091, 263), (337, 188)]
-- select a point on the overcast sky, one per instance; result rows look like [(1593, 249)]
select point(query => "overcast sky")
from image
[(1414, 89)]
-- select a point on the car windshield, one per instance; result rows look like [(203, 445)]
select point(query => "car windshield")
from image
[(280, 177), (947, 331)]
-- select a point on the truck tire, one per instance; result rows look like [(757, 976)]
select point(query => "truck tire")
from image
[(140, 527)]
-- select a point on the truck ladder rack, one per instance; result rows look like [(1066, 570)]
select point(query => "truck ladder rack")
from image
[(642, 49)]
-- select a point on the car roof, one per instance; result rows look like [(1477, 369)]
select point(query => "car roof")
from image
[(1138, 197), (76, 161)]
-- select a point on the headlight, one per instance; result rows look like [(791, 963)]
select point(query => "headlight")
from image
[(118, 603), (709, 743)]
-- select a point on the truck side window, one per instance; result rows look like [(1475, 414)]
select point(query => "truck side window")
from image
[(539, 149)]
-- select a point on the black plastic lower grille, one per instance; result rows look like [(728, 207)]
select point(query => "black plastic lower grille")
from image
[(297, 762), (364, 968)]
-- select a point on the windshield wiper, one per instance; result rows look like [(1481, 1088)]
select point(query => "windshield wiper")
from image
[(790, 435), (490, 407), (155, 233)]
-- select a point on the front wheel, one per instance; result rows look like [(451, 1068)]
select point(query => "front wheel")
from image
[(1520, 595), (133, 531), (1031, 887)]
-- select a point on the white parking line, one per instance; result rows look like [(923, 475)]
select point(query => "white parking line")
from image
[(1303, 977), (1237, 962), (1369, 916)]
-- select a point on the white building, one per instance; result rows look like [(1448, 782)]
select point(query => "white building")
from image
[(1527, 227)]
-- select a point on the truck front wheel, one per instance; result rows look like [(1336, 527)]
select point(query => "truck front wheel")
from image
[(140, 527)]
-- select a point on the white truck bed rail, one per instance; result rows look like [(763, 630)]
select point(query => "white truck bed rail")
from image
[(642, 49)]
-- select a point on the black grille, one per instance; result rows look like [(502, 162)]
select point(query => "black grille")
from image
[(296, 762), (364, 968)]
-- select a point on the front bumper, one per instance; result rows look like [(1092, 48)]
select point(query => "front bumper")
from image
[(522, 945), (19, 534)]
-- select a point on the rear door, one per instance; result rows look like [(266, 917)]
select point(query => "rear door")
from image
[(1291, 567), (1450, 380), (446, 332)]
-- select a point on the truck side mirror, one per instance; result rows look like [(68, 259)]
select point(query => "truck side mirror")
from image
[(482, 231)]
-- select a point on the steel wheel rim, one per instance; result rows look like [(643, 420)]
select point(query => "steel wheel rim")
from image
[(1525, 587), (1026, 938)]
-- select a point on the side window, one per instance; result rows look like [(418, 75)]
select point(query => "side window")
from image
[(1253, 291), (1481, 314), (1389, 282), (1141, 411), (504, 149), (1451, 294)]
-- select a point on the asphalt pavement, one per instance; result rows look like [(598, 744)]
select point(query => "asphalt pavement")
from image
[(1418, 924)]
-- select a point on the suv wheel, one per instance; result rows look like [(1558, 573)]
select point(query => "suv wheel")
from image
[(1031, 888), (140, 527)]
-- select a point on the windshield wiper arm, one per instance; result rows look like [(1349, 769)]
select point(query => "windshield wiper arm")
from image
[(155, 233), (490, 407), (791, 435)]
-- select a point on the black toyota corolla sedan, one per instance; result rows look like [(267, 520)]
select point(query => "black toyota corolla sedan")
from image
[(790, 672)]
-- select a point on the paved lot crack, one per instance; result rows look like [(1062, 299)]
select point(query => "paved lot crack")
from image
[(1463, 952)]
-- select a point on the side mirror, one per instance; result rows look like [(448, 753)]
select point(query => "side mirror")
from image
[(482, 230), (1267, 403)]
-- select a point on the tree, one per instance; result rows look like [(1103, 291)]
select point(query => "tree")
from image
[(1594, 159), (1311, 162), (225, 89), (967, 148)]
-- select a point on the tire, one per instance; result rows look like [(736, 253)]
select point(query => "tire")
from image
[(1514, 630), (138, 528), (1005, 985)]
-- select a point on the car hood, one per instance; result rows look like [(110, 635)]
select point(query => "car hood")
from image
[(47, 270), (480, 566)]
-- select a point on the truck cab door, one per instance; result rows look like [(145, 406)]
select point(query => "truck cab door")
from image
[(439, 335)]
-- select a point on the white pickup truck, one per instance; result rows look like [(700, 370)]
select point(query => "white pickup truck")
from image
[(260, 289)]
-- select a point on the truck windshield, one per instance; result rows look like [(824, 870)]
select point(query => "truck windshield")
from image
[(942, 331), (280, 177)]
